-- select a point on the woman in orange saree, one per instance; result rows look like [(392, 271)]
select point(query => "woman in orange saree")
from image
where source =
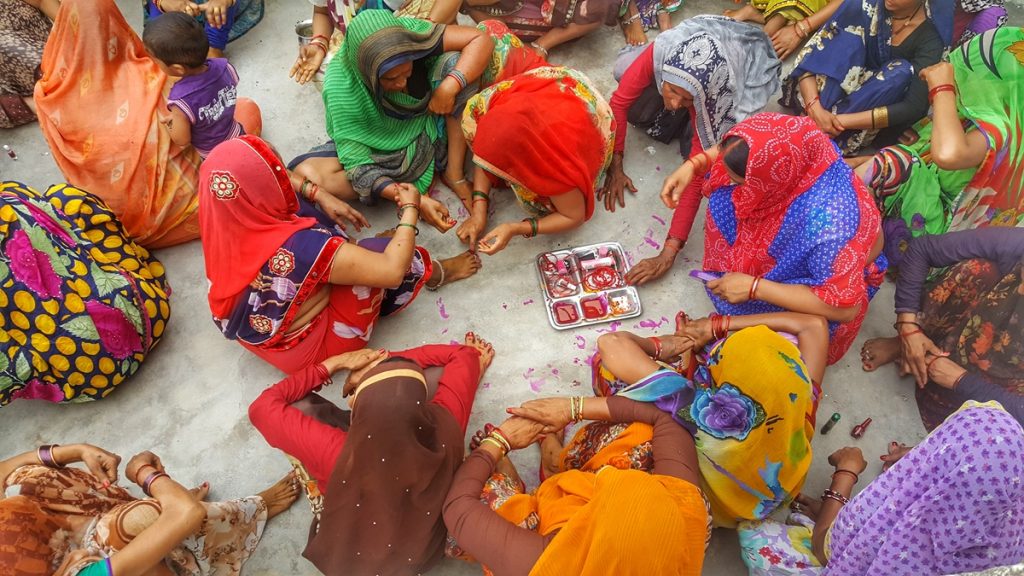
[(102, 107)]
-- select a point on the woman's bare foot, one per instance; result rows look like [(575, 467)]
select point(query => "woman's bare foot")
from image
[(281, 495), (634, 33), (878, 352), (897, 450), (456, 268), (551, 453), (201, 492), (807, 506), (484, 348), (664, 21), (746, 14)]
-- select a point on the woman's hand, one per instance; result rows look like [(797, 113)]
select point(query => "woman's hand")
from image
[(140, 461), (848, 458), (699, 331), (676, 182), (938, 74), (615, 184), (785, 41), (185, 6), (406, 193), (497, 239), (355, 360), (916, 348), (442, 101), (101, 463), (216, 11), (307, 64), (733, 287), (945, 372), (340, 211), (520, 432), (553, 413), (436, 214), (827, 122), (470, 230), (650, 268)]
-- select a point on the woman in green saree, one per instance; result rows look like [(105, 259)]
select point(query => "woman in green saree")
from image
[(387, 96), (963, 167)]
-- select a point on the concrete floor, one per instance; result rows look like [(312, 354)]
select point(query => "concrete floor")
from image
[(188, 402)]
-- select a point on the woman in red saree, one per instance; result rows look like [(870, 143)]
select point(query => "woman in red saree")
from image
[(548, 134), (285, 280), (789, 226)]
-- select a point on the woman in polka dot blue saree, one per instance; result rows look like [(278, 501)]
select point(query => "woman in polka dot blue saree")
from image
[(790, 227), (81, 305)]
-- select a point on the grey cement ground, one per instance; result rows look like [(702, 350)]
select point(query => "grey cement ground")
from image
[(188, 402)]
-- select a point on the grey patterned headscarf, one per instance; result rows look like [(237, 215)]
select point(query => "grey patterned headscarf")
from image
[(729, 67)]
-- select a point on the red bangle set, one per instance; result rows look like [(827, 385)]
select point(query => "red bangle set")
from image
[(807, 107), (752, 295), (720, 325), (322, 45), (941, 88), (657, 346)]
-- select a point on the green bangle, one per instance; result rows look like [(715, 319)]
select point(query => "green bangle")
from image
[(533, 227), (479, 194), (413, 226)]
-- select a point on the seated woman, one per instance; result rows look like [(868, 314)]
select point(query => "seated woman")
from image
[(508, 58), (548, 134), (950, 506), (386, 96), (959, 335), (285, 280), (959, 170), (789, 226), (25, 26), (857, 77), (117, 147), (593, 515), (546, 24), (81, 305), (708, 72), (57, 519), (747, 392), (381, 471)]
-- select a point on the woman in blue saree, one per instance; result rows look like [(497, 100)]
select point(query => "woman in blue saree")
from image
[(858, 76)]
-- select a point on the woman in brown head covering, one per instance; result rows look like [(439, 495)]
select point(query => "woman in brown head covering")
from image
[(392, 475)]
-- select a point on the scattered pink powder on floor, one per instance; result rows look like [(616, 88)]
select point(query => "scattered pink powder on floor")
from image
[(527, 302), (614, 326), (659, 219), (581, 342), (441, 310)]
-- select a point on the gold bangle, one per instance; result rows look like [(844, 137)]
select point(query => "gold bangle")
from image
[(495, 443), (880, 116)]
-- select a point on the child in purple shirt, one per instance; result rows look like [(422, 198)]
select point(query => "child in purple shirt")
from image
[(204, 106)]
